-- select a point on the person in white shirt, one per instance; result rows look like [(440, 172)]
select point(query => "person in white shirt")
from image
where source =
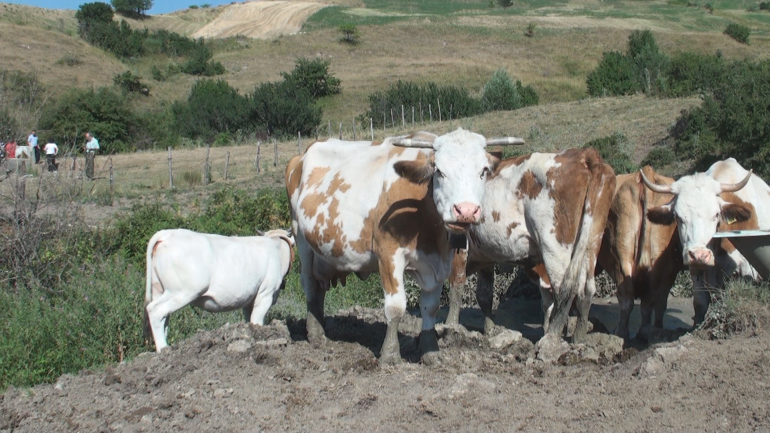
[(92, 146), (32, 141), (51, 150)]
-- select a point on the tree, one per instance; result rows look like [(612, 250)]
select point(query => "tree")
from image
[(505, 4), (314, 77), (132, 7), (349, 33), (90, 15)]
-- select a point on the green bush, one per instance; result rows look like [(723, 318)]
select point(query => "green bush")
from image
[(104, 112), (283, 109), (129, 83), (614, 151), (764, 6), (132, 8), (738, 32), (212, 107), (90, 15), (192, 7), (650, 65), (350, 34), (313, 77), (500, 93), (691, 73), (660, 156), (613, 76)]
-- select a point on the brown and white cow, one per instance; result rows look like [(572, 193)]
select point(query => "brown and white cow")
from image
[(546, 211), (363, 207), (726, 194), (642, 258)]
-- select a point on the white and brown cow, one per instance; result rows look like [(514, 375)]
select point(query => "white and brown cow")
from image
[(642, 258), (726, 194), (363, 207), (215, 273), (546, 211)]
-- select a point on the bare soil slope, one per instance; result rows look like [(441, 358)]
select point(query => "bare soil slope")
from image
[(240, 378), (263, 19)]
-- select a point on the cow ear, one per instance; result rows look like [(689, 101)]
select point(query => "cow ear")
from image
[(735, 213), (418, 172), (663, 215), (494, 160)]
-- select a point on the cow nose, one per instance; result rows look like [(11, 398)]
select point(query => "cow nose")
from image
[(701, 256), (467, 212)]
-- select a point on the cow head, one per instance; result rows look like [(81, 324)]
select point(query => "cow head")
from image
[(698, 209), (459, 167)]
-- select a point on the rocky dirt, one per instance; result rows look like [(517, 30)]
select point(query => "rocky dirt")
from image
[(243, 378)]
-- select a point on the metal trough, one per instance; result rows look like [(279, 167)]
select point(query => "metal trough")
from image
[(754, 245)]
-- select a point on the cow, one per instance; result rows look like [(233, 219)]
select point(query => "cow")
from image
[(643, 259), (388, 207), (726, 195), (215, 273), (547, 212)]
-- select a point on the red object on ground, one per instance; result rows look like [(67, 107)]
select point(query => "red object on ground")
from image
[(10, 150)]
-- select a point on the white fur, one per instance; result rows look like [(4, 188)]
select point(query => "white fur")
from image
[(215, 273)]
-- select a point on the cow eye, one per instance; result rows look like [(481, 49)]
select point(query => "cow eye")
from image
[(485, 172)]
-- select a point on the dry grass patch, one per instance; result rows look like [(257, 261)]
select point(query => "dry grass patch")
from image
[(264, 19)]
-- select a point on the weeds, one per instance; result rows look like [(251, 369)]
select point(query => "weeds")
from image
[(742, 306)]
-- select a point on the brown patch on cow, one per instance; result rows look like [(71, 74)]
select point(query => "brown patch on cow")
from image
[(459, 263), (511, 227), (539, 275), (570, 180), (495, 216), (293, 175), (317, 176), (418, 171), (743, 216), (154, 248), (529, 186), (662, 215), (518, 160), (376, 143)]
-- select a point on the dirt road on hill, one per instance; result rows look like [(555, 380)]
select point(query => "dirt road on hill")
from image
[(262, 19)]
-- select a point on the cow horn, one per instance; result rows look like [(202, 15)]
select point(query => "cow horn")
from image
[(260, 233), (412, 142), (732, 187), (504, 141), (663, 189)]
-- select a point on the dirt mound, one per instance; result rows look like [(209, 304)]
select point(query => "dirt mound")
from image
[(262, 19), (249, 378)]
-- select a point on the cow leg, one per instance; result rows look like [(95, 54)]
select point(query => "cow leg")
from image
[(645, 308), (263, 301), (625, 294), (546, 304), (485, 296), (584, 298), (314, 294), (159, 309), (430, 299), (701, 296), (392, 275), (456, 284)]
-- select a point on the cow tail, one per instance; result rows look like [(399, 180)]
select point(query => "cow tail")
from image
[(593, 219), (147, 332)]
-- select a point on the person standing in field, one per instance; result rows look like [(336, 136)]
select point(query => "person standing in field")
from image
[(92, 146), (51, 150), (32, 142)]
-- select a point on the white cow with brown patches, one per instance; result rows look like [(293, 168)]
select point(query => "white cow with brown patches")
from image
[(547, 212), (363, 207), (215, 273), (702, 204)]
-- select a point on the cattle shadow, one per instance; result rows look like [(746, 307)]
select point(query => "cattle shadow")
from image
[(358, 330)]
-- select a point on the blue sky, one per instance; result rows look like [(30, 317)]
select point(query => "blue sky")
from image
[(159, 7)]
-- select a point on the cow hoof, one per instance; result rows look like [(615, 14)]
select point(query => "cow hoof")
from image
[(431, 359), (489, 327), (316, 339), (390, 358)]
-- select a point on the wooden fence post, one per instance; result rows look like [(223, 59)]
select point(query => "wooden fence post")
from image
[(392, 118), (170, 171), (354, 129), (299, 143), (384, 122), (330, 128), (257, 162), (450, 111), (340, 130), (430, 111), (206, 167), (439, 109), (227, 163), (421, 121), (112, 177), (412, 116), (403, 123), (275, 157)]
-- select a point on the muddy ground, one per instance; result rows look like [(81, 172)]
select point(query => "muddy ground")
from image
[(243, 378)]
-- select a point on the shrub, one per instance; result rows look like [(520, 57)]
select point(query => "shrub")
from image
[(106, 113), (205, 5), (69, 60), (192, 7), (613, 76), (614, 151), (134, 8), (691, 73), (650, 65), (505, 4), (349, 34), (500, 93), (201, 64), (90, 15), (764, 6), (738, 32), (313, 77), (530, 30), (212, 107), (157, 74), (283, 109), (129, 83), (660, 156), (741, 306)]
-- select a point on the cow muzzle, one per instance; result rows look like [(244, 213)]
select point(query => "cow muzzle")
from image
[(699, 257), (465, 214)]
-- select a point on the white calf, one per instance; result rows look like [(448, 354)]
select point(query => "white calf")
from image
[(215, 273)]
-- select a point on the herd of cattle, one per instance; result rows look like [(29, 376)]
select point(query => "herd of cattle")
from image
[(405, 204)]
